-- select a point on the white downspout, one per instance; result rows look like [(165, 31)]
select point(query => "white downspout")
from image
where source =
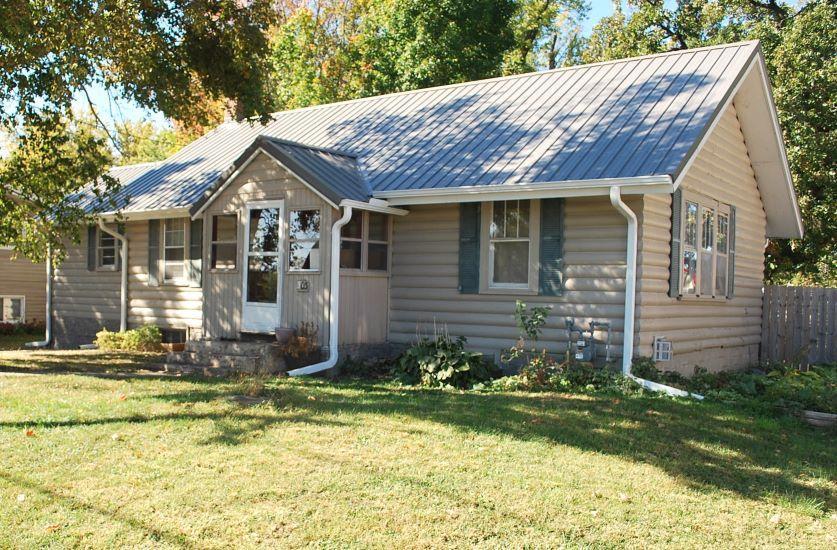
[(630, 302), (123, 289), (334, 300), (48, 336)]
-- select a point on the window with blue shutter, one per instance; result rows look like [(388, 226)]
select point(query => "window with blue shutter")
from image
[(469, 248), (551, 277)]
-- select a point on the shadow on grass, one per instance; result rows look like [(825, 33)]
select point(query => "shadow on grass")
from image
[(706, 446), (154, 532), (84, 362)]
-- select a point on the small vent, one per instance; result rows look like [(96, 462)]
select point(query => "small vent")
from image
[(662, 349)]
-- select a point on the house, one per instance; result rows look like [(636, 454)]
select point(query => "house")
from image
[(22, 289), (637, 193)]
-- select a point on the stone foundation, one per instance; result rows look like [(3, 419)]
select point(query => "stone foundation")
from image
[(72, 332), (370, 352)]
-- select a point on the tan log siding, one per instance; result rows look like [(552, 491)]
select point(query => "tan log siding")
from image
[(712, 333), (424, 279), (21, 277), (363, 308), (264, 179), (95, 294), (85, 294), (166, 305)]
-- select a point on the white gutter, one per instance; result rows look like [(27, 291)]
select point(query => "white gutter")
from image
[(542, 190), (334, 299), (630, 302), (48, 336), (123, 288)]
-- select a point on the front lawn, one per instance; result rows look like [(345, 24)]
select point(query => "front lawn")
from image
[(95, 460)]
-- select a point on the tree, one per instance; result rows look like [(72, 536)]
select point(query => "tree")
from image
[(800, 47), (143, 142), (163, 54), (545, 33), (50, 162)]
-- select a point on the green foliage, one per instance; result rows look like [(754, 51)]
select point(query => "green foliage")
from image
[(777, 386), (443, 363), (166, 55), (143, 142), (800, 47), (146, 338), (52, 159)]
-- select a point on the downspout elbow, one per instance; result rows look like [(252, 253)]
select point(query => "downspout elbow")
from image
[(334, 300), (630, 301), (48, 329)]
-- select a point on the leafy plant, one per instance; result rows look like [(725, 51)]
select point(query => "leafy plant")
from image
[(146, 338), (304, 341), (443, 363)]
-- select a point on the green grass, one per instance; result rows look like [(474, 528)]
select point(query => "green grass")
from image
[(173, 462)]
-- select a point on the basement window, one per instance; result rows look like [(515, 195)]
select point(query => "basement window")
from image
[(12, 309)]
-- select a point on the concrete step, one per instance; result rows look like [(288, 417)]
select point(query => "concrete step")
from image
[(203, 370), (241, 363), (231, 347)]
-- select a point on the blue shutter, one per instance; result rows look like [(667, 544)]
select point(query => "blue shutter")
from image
[(469, 248), (153, 252), (676, 223), (731, 256), (195, 250), (91, 248), (552, 247)]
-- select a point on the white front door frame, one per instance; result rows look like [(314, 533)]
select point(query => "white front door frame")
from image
[(262, 317)]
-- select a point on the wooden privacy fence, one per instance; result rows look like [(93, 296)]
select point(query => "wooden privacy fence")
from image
[(799, 324)]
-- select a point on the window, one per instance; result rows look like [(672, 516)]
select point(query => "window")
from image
[(364, 243), (705, 255), (12, 309), (508, 246), (174, 251), (304, 240), (224, 242), (377, 256), (106, 250)]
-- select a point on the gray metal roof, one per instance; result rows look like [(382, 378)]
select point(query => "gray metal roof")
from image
[(635, 117)]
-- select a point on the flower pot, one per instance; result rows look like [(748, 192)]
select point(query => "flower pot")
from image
[(284, 334), (820, 419)]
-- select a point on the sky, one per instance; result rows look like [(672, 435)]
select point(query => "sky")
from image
[(112, 111)]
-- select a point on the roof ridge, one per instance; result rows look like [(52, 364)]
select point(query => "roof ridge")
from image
[(305, 145), (505, 77)]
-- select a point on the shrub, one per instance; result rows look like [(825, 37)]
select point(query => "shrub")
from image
[(31, 327), (443, 363), (145, 338)]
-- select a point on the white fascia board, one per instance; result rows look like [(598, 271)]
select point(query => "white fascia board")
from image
[(578, 188), (376, 206), (180, 212)]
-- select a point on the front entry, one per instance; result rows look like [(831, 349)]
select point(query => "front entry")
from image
[(262, 296)]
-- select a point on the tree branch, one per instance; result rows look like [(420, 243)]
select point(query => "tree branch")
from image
[(100, 121)]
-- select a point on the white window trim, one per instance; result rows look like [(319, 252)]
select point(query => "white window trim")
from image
[(364, 248), (210, 254), (22, 308), (177, 281), (99, 248), (487, 286), (291, 240), (704, 203)]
